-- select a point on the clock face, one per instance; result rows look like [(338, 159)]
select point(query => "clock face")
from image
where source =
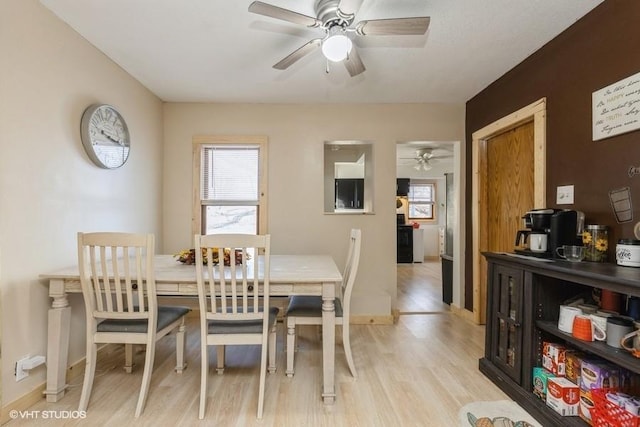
[(105, 136)]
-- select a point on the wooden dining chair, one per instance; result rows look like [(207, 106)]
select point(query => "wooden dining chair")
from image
[(234, 303), (119, 290), (307, 310)]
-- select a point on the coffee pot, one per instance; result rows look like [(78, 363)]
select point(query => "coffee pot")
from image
[(536, 236), (547, 230), (537, 240)]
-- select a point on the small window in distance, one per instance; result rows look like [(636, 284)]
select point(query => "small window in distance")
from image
[(230, 196), (422, 199)]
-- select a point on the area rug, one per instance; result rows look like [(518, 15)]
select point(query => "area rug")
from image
[(500, 413)]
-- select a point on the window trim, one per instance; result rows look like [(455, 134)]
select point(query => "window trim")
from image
[(198, 141), (434, 202)]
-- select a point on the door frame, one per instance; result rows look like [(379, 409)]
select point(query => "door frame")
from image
[(536, 112)]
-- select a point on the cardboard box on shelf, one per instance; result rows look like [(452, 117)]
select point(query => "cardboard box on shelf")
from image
[(573, 363), (540, 379), (563, 396), (586, 402), (553, 358), (598, 374)]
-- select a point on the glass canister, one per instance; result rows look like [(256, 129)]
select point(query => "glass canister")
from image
[(595, 239)]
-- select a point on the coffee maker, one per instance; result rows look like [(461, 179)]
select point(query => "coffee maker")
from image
[(547, 230)]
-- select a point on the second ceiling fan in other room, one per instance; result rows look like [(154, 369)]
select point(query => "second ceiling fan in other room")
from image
[(336, 17), (425, 158)]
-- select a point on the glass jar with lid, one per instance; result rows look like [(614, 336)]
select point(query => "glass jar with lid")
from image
[(595, 239)]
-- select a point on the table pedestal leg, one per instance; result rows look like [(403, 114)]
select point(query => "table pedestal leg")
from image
[(328, 342), (57, 343)]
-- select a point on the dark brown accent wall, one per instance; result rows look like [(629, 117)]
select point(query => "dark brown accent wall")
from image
[(598, 50)]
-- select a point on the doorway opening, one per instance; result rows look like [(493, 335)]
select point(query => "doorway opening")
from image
[(432, 161)]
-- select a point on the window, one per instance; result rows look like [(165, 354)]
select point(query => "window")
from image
[(422, 199), (230, 185)]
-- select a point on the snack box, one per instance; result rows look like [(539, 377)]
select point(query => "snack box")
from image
[(563, 396), (540, 379), (553, 358), (573, 363), (598, 374)]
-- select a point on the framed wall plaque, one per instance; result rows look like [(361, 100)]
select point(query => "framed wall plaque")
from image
[(616, 108)]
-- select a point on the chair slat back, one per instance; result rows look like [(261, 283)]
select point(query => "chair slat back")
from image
[(351, 267), (117, 276), (233, 291)]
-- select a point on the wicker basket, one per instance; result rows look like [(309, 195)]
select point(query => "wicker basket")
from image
[(607, 414)]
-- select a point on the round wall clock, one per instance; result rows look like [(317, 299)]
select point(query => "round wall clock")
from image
[(105, 136)]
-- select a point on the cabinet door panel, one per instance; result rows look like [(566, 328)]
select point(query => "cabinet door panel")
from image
[(349, 193), (506, 347)]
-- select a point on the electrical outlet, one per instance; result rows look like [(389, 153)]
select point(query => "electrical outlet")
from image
[(20, 372), (564, 195)]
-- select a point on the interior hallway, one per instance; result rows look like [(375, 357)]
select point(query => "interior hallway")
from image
[(420, 288)]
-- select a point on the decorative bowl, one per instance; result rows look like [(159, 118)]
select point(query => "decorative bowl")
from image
[(188, 256)]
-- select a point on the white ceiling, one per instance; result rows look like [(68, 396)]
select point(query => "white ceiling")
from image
[(216, 51)]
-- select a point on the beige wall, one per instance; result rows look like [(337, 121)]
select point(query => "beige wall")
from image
[(296, 134), (49, 189)]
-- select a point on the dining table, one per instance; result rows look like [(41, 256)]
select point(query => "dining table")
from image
[(289, 275)]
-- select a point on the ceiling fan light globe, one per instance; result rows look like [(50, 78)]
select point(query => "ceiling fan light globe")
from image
[(337, 47)]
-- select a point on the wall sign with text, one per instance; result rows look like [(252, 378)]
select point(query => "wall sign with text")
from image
[(616, 108)]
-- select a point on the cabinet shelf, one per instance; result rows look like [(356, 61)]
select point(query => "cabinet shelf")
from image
[(535, 291), (618, 356)]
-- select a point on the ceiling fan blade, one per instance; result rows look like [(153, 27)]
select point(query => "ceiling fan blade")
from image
[(349, 7), (394, 27), (285, 14), (353, 63), (298, 53)]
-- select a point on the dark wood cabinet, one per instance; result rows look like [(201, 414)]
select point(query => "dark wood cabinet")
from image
[(402, 186), (523, 300), (404, 243), (349, 193)]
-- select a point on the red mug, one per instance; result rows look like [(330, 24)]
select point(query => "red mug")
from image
[(610, 300)]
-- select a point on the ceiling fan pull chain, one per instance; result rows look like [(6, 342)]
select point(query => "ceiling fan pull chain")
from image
[(327, 68)]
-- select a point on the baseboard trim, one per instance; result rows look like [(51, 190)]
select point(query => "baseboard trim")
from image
[(395, 313), (24, 402), (461, 312)]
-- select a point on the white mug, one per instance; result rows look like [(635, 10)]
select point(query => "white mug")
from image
[(538, 242), (599, 323), (565, 319)]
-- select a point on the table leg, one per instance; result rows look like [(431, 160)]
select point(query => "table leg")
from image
[(57, 341), (328, 342)]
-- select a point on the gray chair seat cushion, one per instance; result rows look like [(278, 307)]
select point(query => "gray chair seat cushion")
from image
[(241, 326), (309, 306), (166, 316)]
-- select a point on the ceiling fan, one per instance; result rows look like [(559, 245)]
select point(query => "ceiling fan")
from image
[(425, 158), (336, 17)]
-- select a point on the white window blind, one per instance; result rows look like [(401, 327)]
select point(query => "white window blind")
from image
[(422, 199), (230, 174)]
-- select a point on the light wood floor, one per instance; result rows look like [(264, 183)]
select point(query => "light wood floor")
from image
[(420, 288), (419, 372)]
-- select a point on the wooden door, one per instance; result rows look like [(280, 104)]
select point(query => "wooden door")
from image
[(509, 180), (509, 176), (507, 170)]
